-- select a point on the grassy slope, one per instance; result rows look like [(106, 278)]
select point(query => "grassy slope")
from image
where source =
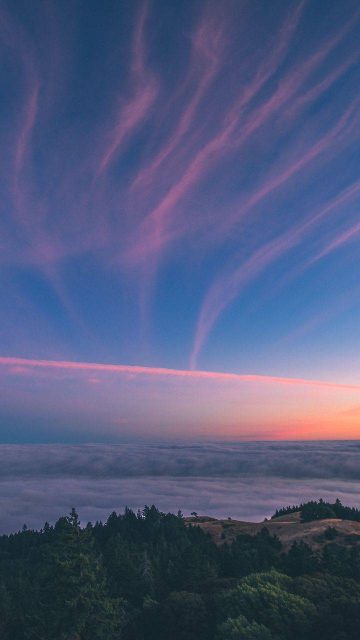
[(288, 528)]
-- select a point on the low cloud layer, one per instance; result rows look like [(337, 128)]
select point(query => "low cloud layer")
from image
[(246, 481), (303, 460)]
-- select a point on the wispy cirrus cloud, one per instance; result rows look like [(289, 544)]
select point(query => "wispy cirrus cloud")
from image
[(153, 234), (14, 41), (133, 110), (23, 142), (240, 122), (340, 240), (208, 45), (163, 161), (231, 282)]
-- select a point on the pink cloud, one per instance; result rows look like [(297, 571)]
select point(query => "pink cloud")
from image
[(228, 285), (347, 236), (22, 50), (23, 363), (77, 214), (134, 109), (23, 142), (333, 136), (153, 232), (322, 86), (208, 46), (132, 112), (237, 126), (343, 302)]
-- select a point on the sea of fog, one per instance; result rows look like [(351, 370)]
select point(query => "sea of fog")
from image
[(247, 481)]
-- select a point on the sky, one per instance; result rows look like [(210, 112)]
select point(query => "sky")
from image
[(179, 220)]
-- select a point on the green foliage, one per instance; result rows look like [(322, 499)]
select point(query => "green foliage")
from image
[(266, 599), (241, 629), (337, 602), (251, 553), (300, 560), (330, 533), (320, 510), (185, 616), (152, 576), (284, 511), (317, 511)]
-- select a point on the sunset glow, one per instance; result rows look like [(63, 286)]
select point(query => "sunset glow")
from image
[(117, 401), (179, 226)]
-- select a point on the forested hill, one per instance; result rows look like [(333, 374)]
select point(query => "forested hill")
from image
[(154, 576), (319, 510)]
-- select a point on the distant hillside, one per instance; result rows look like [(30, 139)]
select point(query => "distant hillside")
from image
[(320, 510), (288, 528)]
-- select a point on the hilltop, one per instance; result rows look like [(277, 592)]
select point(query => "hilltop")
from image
[(316, 523), (288, 528)]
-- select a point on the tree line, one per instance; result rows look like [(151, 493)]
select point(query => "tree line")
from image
[(320, 510), (151, 576)]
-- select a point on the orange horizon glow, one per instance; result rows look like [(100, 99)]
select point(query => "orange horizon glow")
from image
[(135, 400)]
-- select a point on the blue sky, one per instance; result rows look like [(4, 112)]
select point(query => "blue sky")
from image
[(180, 190)]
